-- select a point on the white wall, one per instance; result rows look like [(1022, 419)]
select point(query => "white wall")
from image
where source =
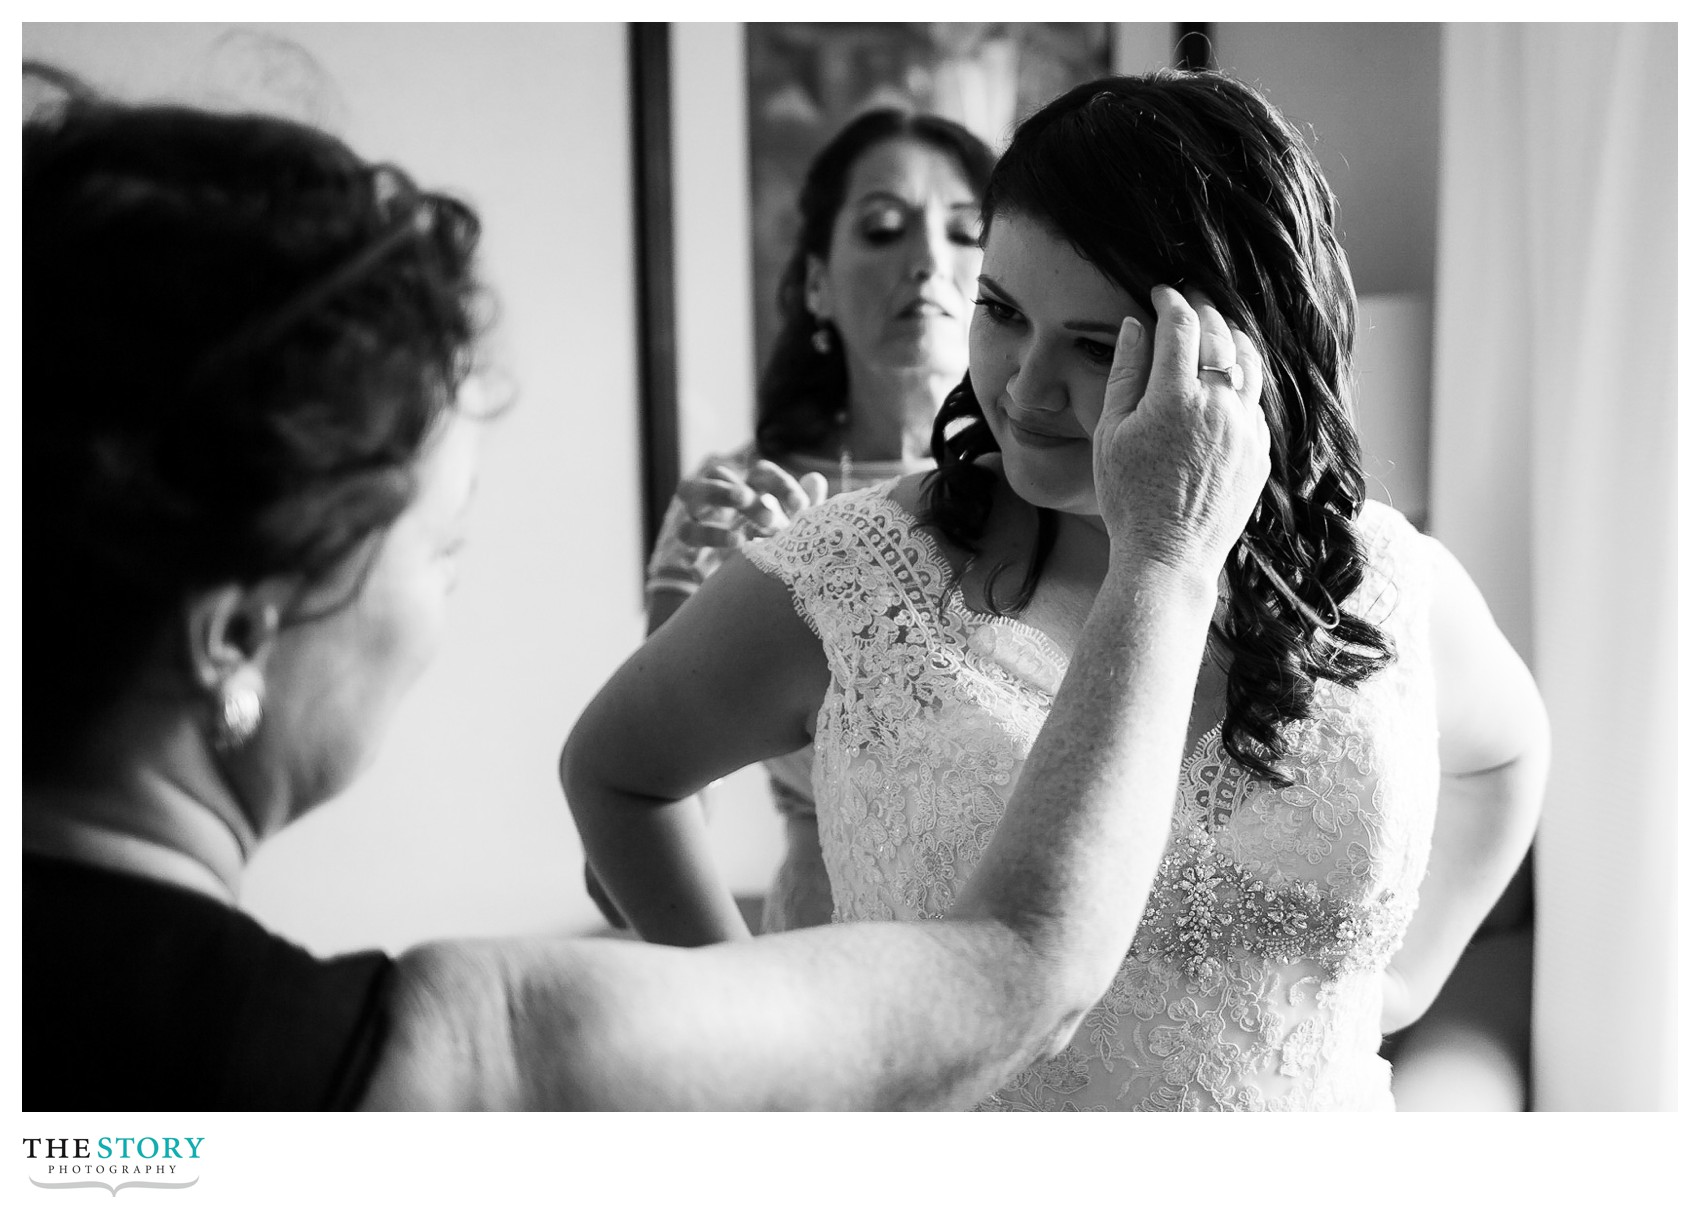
[(1368, 97), (460, 827), (1368, 93), (711, 221), (1142, 46)]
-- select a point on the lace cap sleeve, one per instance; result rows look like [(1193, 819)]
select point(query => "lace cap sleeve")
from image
[(831, 559), (1397, 586), (800, 556)]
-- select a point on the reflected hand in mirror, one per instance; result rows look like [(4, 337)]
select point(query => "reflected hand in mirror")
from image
[(724, 506)]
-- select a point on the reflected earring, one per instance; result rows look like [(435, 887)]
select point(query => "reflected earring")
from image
[(821, 338), (237, 713)]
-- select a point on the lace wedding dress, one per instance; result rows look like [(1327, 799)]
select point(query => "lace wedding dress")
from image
[(1254, 981)]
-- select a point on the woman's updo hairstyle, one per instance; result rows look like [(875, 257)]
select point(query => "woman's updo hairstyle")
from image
[(238, 336), (802, 390), (1192, 179)]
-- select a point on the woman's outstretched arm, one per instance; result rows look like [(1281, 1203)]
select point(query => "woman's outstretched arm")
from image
[(921, 1014), (865, 1015), (1494, 753)]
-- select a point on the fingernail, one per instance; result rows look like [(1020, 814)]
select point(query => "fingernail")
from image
[(1132, 332)]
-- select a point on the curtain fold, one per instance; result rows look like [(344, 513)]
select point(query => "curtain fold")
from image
[(1554, 481)]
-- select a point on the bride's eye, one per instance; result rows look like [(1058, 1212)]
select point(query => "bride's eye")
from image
[(1001, 313), (1096, 351)]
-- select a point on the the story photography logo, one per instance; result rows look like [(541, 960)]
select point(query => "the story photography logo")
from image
[(114, 1162)]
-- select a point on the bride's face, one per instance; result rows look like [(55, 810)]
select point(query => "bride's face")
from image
[(1043, 336)]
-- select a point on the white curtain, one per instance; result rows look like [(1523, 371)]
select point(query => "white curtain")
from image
[(1554, 481)]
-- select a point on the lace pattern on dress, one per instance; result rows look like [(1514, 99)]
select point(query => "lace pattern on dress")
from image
[(1254, 979)]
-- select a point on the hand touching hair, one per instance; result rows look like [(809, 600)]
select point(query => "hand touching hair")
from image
[(1192, 180)]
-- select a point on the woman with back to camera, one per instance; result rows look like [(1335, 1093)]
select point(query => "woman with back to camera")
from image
[(1358, 719), (250, 459), (874, 304)]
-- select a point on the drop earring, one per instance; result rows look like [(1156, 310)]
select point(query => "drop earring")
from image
[(821, 338), (237, 712)]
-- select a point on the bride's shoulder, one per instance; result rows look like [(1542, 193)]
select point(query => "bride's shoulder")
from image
[(908, 493), (1392, 543), (900, 511)]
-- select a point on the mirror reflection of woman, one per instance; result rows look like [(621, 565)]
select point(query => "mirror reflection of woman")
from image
[(874, 305), (1359, 728)]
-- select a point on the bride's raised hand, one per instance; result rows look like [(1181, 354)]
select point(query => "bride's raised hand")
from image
[(1181, 451)]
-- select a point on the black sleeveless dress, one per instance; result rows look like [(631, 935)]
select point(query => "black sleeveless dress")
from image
[(140, 995)]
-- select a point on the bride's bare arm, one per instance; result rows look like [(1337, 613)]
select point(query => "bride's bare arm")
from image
[(732, 678), (763, 500), (1494, 751)]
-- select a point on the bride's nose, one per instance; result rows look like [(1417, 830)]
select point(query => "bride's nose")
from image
[(1034, 386)]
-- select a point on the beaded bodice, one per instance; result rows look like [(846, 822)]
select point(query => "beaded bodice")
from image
[(1254, 981)]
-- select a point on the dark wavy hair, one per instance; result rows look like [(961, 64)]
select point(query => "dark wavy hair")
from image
[(238, 337), (1193, 179), (801, 390)]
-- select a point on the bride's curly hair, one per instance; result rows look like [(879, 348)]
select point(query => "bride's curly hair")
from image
[(1192, 179)]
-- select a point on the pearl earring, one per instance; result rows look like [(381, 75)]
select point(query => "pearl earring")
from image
[(237, 713)]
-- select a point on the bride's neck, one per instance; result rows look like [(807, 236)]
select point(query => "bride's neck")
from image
[(1083, 545)]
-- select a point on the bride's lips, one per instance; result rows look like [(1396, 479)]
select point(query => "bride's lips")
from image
[(1039, 437)]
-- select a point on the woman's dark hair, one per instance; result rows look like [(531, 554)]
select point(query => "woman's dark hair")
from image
[(1193, 179), (801, 390), (238, 336)]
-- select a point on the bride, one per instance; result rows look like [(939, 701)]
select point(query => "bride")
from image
[(1365, 754)]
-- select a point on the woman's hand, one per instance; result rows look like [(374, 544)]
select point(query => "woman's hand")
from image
[(723, 508), (1181, 451)]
